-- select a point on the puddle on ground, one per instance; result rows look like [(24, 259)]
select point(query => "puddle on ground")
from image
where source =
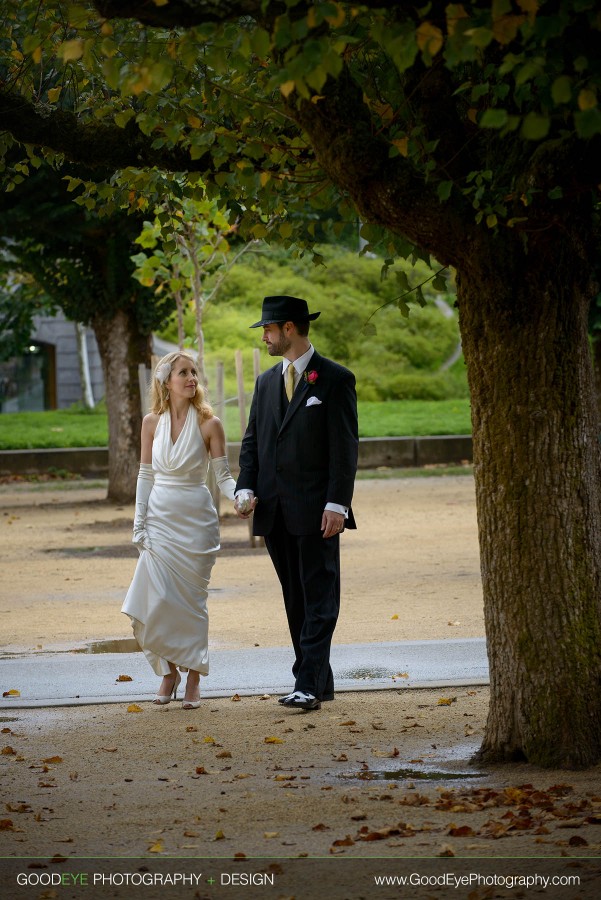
[(409, 775), (367, 672), (123, 645)]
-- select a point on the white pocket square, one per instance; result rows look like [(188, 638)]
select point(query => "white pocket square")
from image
[(313, 401)]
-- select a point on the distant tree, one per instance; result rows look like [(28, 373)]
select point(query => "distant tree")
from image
[(82, 263), (188, 240)]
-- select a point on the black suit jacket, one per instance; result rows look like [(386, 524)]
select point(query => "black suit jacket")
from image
[(301, 456)]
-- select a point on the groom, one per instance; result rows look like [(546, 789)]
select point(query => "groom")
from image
[(297, 466)]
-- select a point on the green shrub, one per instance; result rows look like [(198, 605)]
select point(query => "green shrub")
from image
[(347, 290)]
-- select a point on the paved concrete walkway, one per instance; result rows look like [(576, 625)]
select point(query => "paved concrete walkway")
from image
[(73, 678)]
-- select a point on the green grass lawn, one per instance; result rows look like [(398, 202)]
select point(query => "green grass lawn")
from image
[(74, 428)]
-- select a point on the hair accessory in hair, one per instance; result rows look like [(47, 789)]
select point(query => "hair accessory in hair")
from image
[(162, 372)]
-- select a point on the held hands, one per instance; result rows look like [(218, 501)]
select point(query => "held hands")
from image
[(244, 504), (332, 523)]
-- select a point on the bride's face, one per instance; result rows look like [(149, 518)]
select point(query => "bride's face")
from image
[(183, 379)]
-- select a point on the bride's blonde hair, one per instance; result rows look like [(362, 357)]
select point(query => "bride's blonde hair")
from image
[(159, 392)]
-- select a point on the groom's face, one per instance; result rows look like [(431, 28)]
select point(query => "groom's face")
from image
[(275, 339)]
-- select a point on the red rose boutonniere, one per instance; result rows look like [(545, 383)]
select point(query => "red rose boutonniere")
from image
[(311, 377)]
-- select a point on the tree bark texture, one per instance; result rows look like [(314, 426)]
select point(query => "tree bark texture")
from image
[(122, 348), (523, 303), (537, 471)]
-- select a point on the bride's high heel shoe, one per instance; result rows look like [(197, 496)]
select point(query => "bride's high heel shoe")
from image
[(190, 704), (161, 699)]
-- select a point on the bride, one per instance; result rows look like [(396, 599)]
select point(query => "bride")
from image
[(176, 527)]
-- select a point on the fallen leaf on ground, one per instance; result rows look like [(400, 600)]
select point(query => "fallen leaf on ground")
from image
[(223, 754), (271, 834), (273, 740), (320, 827), (348, 722), (8, 751), (124, 678), (461, 831), (386, 754), (236, 697), (219, 835), (12, 693), (344, 842), (157, 847), (446, 701), (446, 850), (134, 708)]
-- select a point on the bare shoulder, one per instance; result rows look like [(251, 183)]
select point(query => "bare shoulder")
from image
[(149, 423), (211, 426)]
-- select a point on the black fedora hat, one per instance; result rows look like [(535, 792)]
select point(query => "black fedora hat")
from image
[(284, 309)]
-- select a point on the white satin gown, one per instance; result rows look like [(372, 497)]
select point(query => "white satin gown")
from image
[(167, 599)]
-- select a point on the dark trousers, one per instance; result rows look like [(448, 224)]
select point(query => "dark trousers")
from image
[(309, 571)]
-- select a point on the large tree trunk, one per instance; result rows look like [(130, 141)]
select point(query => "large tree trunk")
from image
[(596, 342), (122, 348), (537, 469)]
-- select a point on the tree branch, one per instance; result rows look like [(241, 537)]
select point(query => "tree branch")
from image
[(188, 13), (94, 144), (385, 190)]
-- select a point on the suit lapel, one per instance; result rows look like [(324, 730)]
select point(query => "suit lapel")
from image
[(299, 396), (275, 394)]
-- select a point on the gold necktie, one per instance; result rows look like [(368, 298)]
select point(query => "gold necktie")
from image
[(290, 381)]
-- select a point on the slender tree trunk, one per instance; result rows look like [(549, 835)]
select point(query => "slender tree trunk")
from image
[(537, 467), (122, 348), (179, 312), (84, 366)]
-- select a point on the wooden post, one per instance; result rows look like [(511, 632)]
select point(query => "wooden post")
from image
[(241, 394), (242, 413), (256, 373)]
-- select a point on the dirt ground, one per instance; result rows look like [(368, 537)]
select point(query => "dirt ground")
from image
[(382, 775)]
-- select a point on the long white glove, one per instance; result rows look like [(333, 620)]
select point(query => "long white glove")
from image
[(144, 486), (223, 476)]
